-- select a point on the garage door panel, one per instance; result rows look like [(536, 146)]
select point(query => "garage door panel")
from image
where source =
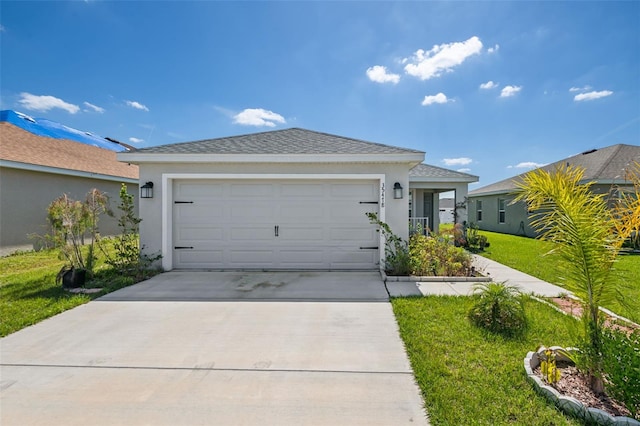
[(200, 233), (302, 190), (199, 189), (250, 233), (306, 234), (364, 235), (212, 259), (251, 258), (232, 224), (253, 190), (203, 213)]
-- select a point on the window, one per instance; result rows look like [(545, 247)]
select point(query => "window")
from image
[(479, 210), (501, 210)]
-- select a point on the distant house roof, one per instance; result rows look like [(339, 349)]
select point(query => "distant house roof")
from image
[(51, 129), (286, 145), (426, 172), (605, 165), (22, 149)]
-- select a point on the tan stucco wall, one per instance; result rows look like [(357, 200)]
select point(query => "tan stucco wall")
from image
[(25, 196), (151, 227)]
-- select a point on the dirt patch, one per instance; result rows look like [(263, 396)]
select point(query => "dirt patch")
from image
[(576, 385)]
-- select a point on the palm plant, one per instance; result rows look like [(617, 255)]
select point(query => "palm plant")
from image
[(587, 237)]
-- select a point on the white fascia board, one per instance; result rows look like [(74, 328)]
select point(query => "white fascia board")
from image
[(138, 158), (65, 172), (443, 179)]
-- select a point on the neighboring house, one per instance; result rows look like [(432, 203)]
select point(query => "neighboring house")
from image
[(36, 169), (491, 207), (285, 199), (447, 210)]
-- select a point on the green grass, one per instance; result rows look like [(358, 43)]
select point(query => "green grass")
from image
[(29, 293), (528, 255), (470, 377)]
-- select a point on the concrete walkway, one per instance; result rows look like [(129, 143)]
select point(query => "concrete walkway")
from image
[(496, 271), (183, 349)]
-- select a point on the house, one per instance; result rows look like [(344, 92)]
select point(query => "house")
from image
[(39, 161), (284, 199), (447, 210), (491, 207)]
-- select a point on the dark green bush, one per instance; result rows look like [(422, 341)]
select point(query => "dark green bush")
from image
[(621, 365), (498, 308)]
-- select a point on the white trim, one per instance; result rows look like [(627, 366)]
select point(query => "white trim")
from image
[(137, 158), (67, 172), (167, 198)]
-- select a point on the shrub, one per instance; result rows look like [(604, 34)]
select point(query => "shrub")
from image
[(396, 250), (621, 354), (435, 255), (498, 308)]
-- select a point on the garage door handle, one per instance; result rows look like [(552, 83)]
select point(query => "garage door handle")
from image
[(368, 202), (183, 202), (369, 248), (276, 229), (183, 247)]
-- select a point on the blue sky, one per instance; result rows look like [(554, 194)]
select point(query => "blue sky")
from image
[(489, 88)]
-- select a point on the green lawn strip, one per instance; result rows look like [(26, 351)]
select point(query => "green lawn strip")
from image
[(528, 255), (29, 293), (470, 377)]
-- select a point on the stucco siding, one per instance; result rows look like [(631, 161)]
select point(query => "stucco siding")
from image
[(26, 195), (516, 218)]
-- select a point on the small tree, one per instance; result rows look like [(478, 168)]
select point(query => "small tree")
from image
[(127, 244), (71, 221), (587, 237)]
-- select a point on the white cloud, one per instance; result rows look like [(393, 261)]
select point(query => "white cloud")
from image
[(464, 170), (137, 105), (489, 85), (440, 59), (580, 89), (493, 49), (592, 95), (440, 98), (508, 91), (379, 74), (45, 103), (135, 140), (2, 28), (258, 117), (93, 107), (462, 161), (526, 165)]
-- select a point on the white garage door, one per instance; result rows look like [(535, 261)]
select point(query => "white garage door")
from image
[(274, 224)]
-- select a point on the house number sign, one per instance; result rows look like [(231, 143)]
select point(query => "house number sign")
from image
[(382, 194)]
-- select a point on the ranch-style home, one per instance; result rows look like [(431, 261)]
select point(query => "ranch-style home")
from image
[(284, 199), (39, 161), (491, 207)]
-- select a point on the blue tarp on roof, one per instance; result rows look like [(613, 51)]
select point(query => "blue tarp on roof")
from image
[(51, 129)]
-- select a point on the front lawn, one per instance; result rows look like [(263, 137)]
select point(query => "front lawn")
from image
[(29, 293), (528, 255), (470, 377)]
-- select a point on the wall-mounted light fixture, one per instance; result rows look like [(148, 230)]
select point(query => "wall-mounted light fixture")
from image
[(397, 191), (146, 190)]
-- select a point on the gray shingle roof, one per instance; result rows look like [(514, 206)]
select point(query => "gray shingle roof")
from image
[(287, 141), (605, 165), (428, 171)]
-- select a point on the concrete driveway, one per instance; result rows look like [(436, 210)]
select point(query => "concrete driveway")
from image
[(216, 348)]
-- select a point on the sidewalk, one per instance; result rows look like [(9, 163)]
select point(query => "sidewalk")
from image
[(487, 267)]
